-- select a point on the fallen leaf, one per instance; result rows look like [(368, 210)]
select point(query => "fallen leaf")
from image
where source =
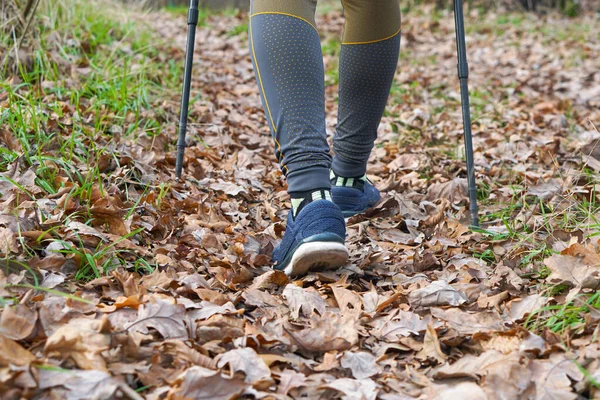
[(575, 266), (554, 377), (17, 323), (454, 190), (521, 307), (305, 300), (230, 188), (80, 339), (402, 324), (79, 384), (165, 317), (431, 347), (205, 384), (247, 361), (326, 333), (470, 323), (8, 242), (362, 364), (347, 300), (288, 380), (362, 389), (12, 353), (437, 293)]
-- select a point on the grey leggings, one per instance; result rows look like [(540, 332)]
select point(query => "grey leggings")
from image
[(286, 52)]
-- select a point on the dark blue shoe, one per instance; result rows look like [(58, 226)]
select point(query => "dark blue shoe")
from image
[(314, 240), (355, 199)]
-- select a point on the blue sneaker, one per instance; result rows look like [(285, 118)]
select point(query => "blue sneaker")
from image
[(314, 240), (354, 199)]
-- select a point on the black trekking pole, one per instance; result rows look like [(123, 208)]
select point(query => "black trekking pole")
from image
[(463, 76), (187, 81)]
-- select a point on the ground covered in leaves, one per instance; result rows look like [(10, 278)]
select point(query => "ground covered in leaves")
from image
[(117, 281)]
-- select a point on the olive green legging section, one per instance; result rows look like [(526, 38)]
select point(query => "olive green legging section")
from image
[(286, 53)]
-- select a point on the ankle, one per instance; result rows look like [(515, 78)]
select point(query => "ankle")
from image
[(357, 182), (302, 199)]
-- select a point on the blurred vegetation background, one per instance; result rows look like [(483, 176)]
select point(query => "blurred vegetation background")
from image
[(567, 7), (20, 28)]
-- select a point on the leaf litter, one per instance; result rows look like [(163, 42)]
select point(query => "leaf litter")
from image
[(182, 302)]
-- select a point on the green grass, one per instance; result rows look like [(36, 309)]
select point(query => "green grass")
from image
[(99, 75), (66, 124), (569, 317)]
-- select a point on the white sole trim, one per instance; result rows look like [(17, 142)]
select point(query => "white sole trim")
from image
[(317, 256)]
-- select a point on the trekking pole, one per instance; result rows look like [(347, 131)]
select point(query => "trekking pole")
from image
[(187, 81), (463, 76)]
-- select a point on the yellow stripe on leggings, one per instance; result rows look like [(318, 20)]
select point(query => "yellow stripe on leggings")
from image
[(287, 15), (262, 88), (375, 41)]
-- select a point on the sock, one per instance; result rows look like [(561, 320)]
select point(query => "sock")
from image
[(302, 199), (357, 182)]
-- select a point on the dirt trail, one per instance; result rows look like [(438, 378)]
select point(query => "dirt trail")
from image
[(427, 308)]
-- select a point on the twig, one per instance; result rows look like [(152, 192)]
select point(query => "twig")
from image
[(28, 8), (29, 19)]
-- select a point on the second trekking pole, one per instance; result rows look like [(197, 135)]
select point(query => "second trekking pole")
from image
[(463, 76), (187, 83)]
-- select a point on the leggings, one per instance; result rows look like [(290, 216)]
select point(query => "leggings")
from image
[(288, 63)]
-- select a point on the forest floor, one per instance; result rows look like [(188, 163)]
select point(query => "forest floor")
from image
[(117, 281)]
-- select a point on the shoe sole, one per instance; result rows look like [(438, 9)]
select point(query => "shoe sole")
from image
[(321, 256)]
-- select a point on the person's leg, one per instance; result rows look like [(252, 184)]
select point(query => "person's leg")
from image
[(368, 61), (288, 62), (286, 51)]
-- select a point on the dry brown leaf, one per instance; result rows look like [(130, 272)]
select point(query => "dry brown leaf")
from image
[(362, 364), (330, 361), (431, 347), (577, 267), (454, 190), (270, 280), (165, 317), (402, 324), (82, 340), (327, 333), (79, 384), (12, 353), (288, 380), (247, 361), (454, 391), (477, 366), (18, 323), (303, 300), (362, 389), (554, 377), (259, 298), (206, 310), (230, 188), (204, 384), (347, 300), (470, 323), (437, 293), (8, 242), (519, 308)]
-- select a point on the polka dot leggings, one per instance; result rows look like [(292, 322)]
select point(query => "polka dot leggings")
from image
[(286, 53)]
